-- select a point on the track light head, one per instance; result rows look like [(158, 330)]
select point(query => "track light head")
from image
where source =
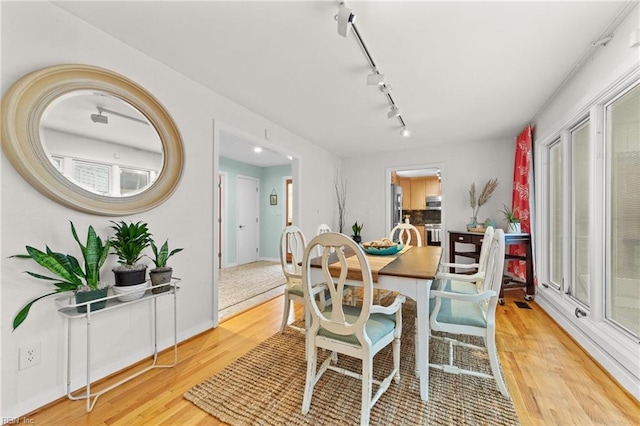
[(345, 18), (395, 111), (99, 118), (375, 79), (405, 132)]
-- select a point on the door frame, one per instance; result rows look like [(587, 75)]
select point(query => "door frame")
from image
[(222, 219)]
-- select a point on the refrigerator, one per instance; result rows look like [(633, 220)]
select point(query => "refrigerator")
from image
[(396, 205)]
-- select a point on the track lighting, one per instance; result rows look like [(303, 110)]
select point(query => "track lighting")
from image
[(346, 22), (375, 79), (345, 18), (103, 119), (394, 112), (99, 118)]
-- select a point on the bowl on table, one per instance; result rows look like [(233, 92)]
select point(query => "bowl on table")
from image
[(384, 247)]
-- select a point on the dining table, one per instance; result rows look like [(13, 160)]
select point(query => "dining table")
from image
[(410, 272)]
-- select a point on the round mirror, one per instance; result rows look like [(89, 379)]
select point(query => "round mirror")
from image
[(91, 139)]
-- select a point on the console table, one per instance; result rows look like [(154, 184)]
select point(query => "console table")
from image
[(475, 239), (68, 309)]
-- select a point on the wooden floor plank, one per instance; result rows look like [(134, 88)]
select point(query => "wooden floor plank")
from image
[(551, 380)]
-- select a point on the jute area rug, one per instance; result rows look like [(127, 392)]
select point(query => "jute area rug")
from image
[(243, 282), (266, 386)]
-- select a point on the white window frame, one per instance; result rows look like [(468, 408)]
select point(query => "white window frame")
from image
[(609, 344)]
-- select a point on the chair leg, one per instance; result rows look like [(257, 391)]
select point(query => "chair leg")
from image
[(311, 377), (285, 314), (495, 365), (396, 359), (367, 376)]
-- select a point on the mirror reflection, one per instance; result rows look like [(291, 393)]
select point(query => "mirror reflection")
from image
[(101, 143)]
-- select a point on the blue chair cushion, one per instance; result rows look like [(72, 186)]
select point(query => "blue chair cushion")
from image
[(378, 325), (459, 312)]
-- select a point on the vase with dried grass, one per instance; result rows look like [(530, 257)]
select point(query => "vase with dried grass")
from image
[(478, 201)]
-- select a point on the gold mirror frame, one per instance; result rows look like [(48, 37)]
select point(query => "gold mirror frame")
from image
[(23, 106)]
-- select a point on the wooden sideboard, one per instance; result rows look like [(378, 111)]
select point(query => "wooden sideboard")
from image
[(457, 238)]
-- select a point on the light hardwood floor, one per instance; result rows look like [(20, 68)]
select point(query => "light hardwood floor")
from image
[(551, 380)]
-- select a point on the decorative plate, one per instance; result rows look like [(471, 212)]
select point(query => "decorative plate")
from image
[(383, 251)]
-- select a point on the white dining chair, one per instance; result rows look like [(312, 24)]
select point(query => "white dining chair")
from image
[(323, 228), (406, 234), (358, 332), (292, 241), (470, 281), (472, 314)]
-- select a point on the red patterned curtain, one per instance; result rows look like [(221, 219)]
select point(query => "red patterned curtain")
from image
[(521, 196)]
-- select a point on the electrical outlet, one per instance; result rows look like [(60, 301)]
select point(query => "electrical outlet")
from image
[(29, 355)]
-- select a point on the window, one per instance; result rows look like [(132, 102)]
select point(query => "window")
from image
[(555, 214), (622, 141), (581, 172), (133, 181), (592, 212), (93, 176)]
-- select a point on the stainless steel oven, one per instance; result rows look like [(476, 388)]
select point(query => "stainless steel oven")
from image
[(434, 202)]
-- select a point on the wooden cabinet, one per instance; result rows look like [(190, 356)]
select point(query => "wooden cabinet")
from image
[(418, 194), (415, 191), (432, 186), (405, 184)]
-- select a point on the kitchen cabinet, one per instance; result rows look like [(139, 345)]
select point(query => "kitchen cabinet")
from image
[(405, 184), (418, 194), (432, 186)]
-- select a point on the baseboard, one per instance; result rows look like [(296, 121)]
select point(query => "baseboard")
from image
[(618, 373), (270, 259)]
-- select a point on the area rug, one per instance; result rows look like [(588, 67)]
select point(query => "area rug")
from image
[(266, 386), (243, 282)]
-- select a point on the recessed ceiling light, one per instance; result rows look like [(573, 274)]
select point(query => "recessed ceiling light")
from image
[(257, 149), (290, 157)]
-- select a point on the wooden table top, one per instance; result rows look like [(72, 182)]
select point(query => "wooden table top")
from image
[(417, 262)]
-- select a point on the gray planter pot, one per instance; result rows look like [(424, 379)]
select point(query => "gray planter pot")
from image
[(161, 276), (86, 296)]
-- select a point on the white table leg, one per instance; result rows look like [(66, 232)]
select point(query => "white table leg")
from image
[(422, 304)]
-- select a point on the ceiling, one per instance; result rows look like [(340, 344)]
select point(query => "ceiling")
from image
[(460, 71)]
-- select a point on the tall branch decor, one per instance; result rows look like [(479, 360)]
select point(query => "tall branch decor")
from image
[(486, 193), (341, 195)]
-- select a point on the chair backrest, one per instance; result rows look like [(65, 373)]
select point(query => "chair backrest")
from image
[(337, 252), (484, 249), (494, 268), (292, 241), (406, 234), (323, 228)]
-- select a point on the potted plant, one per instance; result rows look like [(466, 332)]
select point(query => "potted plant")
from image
[(129, 242), (162, 273), (356, 232), (70, 276), (513, 221)]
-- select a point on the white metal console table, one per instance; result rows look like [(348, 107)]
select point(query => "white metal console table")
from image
[(68, 309)]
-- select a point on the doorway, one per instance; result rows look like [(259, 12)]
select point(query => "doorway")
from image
[(248, 208), (415, 196)]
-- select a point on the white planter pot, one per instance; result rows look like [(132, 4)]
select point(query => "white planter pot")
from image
[(513, 228)]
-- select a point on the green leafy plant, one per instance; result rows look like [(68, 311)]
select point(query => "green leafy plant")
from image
[(129, 242), (510, 215), (70, 276), (161, 256), (357, 229)]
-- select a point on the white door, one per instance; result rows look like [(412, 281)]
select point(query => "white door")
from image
[(248, 228)]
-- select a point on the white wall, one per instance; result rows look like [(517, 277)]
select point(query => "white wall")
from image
[(460, 164), (616, 353), (36, 35)]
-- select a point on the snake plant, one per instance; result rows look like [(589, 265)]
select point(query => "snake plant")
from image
[(70, 276)]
